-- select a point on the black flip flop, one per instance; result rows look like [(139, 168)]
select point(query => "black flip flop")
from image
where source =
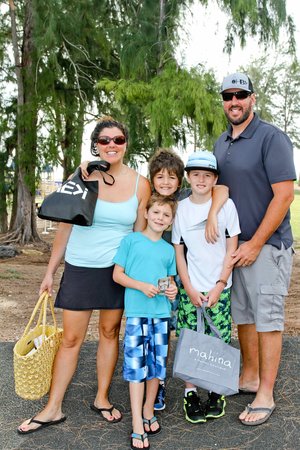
[(149, 422), (42, 425), (100, 411), (140, 437)]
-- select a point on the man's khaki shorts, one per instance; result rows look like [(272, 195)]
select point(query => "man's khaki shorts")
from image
[(258, 291)]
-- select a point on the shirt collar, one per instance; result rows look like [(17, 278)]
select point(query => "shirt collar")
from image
[(248, 131)]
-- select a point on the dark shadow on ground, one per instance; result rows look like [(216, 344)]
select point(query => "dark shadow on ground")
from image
[(84, 430)]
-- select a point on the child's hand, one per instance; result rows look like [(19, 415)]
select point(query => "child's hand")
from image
[(211, 228), (214, 295), (83, 168), (196, 297), (149, 290), (171, 291)]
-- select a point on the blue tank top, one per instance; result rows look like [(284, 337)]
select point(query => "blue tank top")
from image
[(96, 246)]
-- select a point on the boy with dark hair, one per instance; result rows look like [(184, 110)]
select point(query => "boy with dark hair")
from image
[(166, 173)]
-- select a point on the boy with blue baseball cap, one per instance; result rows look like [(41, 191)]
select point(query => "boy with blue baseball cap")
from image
[(205, 268)]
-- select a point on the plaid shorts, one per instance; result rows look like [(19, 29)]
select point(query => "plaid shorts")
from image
[(145, 349), (220, 315)]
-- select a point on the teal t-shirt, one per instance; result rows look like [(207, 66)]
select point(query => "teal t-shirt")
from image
[(146, 260)]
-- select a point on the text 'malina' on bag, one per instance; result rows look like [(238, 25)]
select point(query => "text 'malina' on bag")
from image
[(74, 202), (206, 361)]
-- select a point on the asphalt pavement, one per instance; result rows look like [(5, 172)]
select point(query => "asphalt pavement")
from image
[(84, 429)]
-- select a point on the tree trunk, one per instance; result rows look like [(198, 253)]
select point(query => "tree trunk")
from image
[(161, 34), (3, 209), (23, 225), (71, 145)]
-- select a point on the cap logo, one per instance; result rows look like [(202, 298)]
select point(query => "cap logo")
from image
[(239, 81)]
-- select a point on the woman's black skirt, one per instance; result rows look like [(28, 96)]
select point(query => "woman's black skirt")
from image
[(85, 288)]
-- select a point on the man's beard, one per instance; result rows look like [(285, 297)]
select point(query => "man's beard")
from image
[(242, 119)]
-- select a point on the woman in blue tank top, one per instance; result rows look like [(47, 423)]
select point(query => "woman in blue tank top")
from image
[(87, 282)]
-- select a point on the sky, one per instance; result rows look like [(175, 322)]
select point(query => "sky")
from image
[(208, 25), (202, 41)]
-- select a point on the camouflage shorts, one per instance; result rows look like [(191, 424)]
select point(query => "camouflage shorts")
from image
[(220, 315)]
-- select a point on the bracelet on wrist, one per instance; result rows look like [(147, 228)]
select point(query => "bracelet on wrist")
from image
[(222, 281)]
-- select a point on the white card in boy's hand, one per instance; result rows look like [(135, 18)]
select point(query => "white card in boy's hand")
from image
[(163, 284)]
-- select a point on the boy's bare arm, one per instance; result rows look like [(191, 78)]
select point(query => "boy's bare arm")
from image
[(214, 294), (231, 246), (120, 277), (220, 194), (195, 296)]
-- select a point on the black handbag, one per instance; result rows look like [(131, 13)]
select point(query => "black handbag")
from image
[(74, 202)]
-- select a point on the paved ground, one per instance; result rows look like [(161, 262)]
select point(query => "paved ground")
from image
[(83, 430)]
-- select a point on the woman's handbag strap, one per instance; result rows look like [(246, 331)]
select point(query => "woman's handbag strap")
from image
[(41, 305)]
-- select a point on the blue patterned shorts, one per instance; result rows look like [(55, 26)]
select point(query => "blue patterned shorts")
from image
[(145, 349)]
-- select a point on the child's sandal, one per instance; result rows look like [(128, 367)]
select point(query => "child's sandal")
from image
[(149, 422), (140, 437)]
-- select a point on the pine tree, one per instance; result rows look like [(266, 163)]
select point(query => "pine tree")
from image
[(61, 48)]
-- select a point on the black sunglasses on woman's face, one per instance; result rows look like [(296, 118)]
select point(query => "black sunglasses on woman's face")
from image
[(105, 140)]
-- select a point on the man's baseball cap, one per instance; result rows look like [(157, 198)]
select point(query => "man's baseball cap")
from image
[(202, 160), (237, 81)]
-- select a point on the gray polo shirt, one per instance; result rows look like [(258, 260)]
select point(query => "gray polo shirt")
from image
[(261, 156)]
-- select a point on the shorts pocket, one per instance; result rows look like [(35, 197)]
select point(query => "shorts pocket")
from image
[(272, 301)]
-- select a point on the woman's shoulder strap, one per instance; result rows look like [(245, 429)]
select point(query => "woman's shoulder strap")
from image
[(137, 182)]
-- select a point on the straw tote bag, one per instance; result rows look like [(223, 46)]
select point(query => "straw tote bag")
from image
[(33, 366)]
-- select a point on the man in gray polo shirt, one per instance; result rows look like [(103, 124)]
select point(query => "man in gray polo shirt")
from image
[(255, 160)]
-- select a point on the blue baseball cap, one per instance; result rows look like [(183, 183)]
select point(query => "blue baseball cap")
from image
[(202, 160)]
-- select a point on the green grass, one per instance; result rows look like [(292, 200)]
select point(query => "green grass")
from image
[(11, 274), (295, 217)]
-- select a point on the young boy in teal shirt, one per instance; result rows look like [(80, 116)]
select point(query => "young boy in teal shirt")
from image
[(143, 263)]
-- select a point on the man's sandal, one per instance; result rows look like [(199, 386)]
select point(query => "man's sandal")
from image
[(250, 409)]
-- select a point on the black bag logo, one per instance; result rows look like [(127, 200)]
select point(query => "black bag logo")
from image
[(72, 188)]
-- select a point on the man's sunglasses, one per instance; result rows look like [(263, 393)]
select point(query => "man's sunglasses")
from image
[(239, 95), (105, 140)]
